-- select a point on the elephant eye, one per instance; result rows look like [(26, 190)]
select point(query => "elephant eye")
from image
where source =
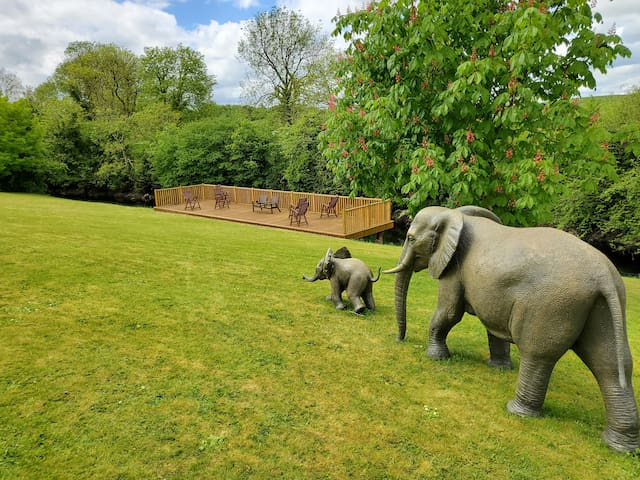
[(411, 238)]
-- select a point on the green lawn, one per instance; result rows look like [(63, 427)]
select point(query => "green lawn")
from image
[(137, 344)]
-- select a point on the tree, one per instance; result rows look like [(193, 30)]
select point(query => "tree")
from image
[(285, 53), (176, 77), (10, 85), (66, 140), (101, 78), (23, 163), (305, 170), (608, 216), (124, 143), (456, 102), (234, 146)]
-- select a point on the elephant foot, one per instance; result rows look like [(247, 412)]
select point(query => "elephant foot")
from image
[(438, 352), (360, 310), (621, 442), (518, 408), (500, 363)]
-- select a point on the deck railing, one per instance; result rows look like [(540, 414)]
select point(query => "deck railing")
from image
[(359, 214), (366, 218)]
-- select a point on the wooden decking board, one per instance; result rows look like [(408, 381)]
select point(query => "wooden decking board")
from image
[(243, 213)]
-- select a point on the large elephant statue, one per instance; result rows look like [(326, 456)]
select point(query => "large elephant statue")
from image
[(542, 289), (346, 274)]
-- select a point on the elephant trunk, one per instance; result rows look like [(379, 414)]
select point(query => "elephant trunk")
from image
[(403, 271), (403, 279), (310, 279)]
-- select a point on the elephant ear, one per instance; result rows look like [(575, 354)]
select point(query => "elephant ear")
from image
[(342, 253), (327, 264), (474, 211), (448, 227)]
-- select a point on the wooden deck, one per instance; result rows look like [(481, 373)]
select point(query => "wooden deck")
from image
[(341, 227), (239, 212)]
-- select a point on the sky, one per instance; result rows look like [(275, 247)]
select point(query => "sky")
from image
[(34, 34)]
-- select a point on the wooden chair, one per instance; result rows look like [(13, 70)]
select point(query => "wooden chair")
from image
[(221, 197), (300, 202), (190, 199), (297, 213), (330, 207), (274, 203), (261, 202)]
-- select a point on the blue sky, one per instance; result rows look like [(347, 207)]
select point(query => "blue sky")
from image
[(34, 35), (189, 14)]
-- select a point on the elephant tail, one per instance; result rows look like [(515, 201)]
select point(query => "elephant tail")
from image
[(616, 308), (375, 279)]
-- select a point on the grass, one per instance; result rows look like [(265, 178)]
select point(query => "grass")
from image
[(135, 344)]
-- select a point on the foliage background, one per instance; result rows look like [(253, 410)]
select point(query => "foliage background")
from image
[(609, 216)]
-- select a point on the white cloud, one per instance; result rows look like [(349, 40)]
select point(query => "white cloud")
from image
[(620, 79), (624, 75), (218, 43), (244, 4), (323, 10), (34, 35)]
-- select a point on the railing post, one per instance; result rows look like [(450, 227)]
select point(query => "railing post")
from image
[(344, 222)]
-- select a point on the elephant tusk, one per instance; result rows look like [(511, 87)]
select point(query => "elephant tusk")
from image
[(401, 267)]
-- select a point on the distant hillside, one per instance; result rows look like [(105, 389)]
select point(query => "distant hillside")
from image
[(616, 110)]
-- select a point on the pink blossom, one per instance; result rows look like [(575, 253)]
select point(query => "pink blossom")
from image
[(332, 102), (538, 157), (470, 136)]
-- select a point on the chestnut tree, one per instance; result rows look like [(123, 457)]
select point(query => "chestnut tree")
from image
[(454, 102)]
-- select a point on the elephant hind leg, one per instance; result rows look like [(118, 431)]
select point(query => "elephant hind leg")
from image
[(499, 352), (354, 297), (367, 296), (358, 305), (622, 432), (533, 380)]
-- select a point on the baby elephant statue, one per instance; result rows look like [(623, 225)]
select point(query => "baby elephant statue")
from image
[(542, 289), (346, 273)]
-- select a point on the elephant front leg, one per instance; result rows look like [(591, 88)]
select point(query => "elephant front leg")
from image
[(533, 380), (336, 296), (448, 313), (499, 352), (441, 324)]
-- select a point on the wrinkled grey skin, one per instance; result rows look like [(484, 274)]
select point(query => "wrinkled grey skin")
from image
[(350, 275), (540, 288)]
